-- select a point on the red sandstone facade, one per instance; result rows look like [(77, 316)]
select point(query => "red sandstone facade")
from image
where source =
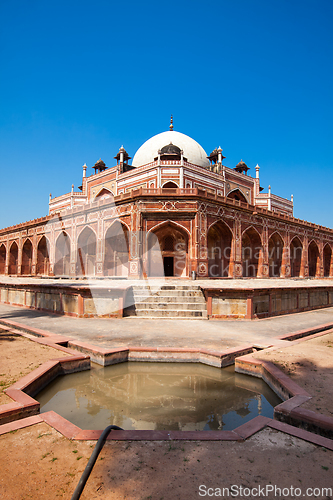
[(174, 211)]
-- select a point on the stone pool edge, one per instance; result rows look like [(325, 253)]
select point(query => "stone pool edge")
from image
[(288, 413)]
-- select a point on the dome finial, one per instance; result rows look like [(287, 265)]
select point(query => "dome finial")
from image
[(171, 123)]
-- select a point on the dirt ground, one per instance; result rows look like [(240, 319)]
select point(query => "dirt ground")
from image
[(28, 356), (38, 462), (310, 364)]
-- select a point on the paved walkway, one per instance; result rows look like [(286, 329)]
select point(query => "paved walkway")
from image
[(212, 334), (226, 284)]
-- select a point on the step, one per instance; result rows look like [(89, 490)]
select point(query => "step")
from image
[(167, 293), (170, 300), (182, 306), (143, 313), (166, 287), (199, 318)]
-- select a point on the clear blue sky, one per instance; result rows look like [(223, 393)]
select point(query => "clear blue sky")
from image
[(81, 78)]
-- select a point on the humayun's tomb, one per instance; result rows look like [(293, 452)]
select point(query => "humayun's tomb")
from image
[(174, 212)]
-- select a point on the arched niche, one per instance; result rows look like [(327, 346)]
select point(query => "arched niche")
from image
[(313, 259), (2, 259), (86, 253), (13, 258), (219, 239), (275, 253), (168, 251), (43, 259), (251, 252), (116, 258), (170, 185), (26, 257), (327, 259), (103, 194), (296, 252), (62, 255), (237, 194)]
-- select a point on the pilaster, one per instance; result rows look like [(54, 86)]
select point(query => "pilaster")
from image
[(263, 258), (285, 266), (235, 264)]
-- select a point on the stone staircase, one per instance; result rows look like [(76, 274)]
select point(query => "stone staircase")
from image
[(169, 302)]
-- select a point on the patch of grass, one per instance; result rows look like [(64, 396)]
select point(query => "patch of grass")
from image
[(46, 434), (53, 459), (323, 467), (186, 459), (75, 451), (79, 458), (46, 454)]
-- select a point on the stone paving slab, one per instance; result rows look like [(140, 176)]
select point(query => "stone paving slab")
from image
[(212, 334), (226, 283)]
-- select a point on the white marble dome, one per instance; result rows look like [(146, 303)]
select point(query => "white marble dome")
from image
[(192, 150)]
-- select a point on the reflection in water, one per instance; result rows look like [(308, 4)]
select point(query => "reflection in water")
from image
[(171, 396)]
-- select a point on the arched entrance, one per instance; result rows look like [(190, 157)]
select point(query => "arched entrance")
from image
[(167, 251), (13, 258), (62, 255), (2, 259), (327, 254), (116, 259), (26, 257), (313, 259), (275, 252), (86, 253), (219, 248), (296, 251), (251, 252), (42, 267)]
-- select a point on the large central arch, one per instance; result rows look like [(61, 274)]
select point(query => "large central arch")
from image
[(219, 240), (168, 251), (251, 252)]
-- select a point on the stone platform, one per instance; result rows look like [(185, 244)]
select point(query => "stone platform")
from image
[(168, 298)]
